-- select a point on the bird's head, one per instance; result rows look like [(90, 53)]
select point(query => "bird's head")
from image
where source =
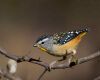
[(44, 42)]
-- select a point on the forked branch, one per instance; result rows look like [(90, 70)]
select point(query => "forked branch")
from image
[(47, 66)]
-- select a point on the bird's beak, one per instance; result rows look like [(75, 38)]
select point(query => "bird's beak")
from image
[(35, 45)]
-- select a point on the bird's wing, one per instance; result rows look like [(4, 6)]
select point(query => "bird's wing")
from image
[(64, 37), (58, 36)]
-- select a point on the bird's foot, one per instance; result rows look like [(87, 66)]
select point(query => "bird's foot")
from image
[(74, 61)]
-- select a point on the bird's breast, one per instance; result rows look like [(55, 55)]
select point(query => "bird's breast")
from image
[(65, 48)]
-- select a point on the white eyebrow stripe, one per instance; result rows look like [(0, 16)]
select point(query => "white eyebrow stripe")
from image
[(43, 40)]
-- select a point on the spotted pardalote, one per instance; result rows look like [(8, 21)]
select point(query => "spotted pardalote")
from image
[(61, 44)]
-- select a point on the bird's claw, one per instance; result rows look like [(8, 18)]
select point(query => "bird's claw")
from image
[(73, 63)]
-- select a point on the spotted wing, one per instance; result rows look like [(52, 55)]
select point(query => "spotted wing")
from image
[(62, 38), (58, 36)]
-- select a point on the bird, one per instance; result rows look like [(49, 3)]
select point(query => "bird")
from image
[(61, 44)]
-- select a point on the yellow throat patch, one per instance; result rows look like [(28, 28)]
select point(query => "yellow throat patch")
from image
[(43, 49)]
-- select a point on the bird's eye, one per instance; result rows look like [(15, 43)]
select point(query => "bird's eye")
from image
[(42, 43)]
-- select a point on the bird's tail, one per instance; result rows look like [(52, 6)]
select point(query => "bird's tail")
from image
[(83, 32)]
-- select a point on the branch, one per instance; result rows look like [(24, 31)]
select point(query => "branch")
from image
[(47, 66), (66, 65), (42, 74), (19, 59), (8, 76), (80, 61)]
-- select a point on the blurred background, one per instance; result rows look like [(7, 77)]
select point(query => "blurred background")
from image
[(23, 21)]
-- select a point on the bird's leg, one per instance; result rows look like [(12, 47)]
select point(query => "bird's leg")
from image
[(74, 60), (63, 58)]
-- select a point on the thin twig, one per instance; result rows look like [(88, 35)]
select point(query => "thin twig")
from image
[(97, 78), (42, 74), (21, 58)]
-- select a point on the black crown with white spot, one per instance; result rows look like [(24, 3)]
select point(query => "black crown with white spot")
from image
[(42, 37)]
